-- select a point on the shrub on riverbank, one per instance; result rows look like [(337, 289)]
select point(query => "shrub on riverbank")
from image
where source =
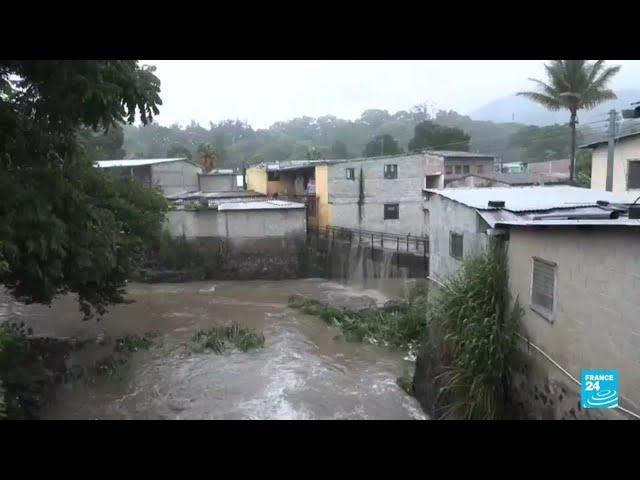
[(477, 327), (216, 338), (401, 324)]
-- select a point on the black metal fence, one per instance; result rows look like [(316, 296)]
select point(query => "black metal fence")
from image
[(392, 241)]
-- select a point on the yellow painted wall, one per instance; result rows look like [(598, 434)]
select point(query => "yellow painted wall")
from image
[(257, 180), (322, 194), (284, 186)]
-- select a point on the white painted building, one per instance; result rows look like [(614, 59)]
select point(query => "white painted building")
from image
[(626, 165)]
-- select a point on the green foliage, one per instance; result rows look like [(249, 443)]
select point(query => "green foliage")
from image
[(339, 150), (429, 135), (479, 328), (102, 145), (178, 151), (216, 338), (178, 254), (401, 326), (13, 344), (313, 154), (238, 142), (134, 343), (209, 156), (66, 226), (406, 383), (573, 85), (583, 168), (13, 350), (381, 145), (551, 142)]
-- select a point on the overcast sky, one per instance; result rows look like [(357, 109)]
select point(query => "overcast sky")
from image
[(265, 91)]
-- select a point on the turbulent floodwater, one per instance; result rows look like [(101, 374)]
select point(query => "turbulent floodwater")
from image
[(305, 370)]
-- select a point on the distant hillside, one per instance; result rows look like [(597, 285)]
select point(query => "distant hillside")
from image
[(521, 110)]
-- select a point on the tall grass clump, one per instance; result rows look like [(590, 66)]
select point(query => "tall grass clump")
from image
[(402, 325), (216, 338), (478, 325)]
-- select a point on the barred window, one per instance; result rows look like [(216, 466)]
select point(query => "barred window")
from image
[(448, 169), (455, 245), (273, 176), (458, 168), (543, 284), (391, 171), (465, 169), (350, 174), (391, 211)]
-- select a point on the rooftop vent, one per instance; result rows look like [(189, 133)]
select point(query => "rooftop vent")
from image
[(496, 203), (634, 212), (602, 203)]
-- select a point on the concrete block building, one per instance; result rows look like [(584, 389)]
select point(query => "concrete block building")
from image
[(380, 194), (573, 259), (172, 175)]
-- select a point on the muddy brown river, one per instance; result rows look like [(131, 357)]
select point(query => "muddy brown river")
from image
[(305, 370)]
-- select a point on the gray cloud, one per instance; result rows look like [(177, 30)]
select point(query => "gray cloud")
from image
[(263, 91)]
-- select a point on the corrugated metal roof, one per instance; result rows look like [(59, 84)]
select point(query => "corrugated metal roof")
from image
[(215, 195), (135, 162), (457, 154), (261, 205), (600, 142), (218, 171), (510, 178), (522, 199), (619, 222), (555, 217)]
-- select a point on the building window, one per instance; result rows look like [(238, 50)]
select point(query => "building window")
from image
[(391, 171), (480, 168), (458, 168), (273, 176), (543, 284), (351, 175), (448, 169), (455, 245), (465, 169), (633, 174), (391, 211), (482, 225)]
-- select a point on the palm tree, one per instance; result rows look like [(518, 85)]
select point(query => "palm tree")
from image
[(208, 157), (573, 85)]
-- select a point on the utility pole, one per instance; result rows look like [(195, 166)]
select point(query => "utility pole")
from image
[(613, 115)]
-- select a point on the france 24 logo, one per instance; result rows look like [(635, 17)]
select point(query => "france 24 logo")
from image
[(599, 388)]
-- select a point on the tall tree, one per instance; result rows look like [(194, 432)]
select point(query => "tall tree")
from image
[(382, 145), (103, 145), (430, 135), (573, 85), (208, 157), (66, 226)]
